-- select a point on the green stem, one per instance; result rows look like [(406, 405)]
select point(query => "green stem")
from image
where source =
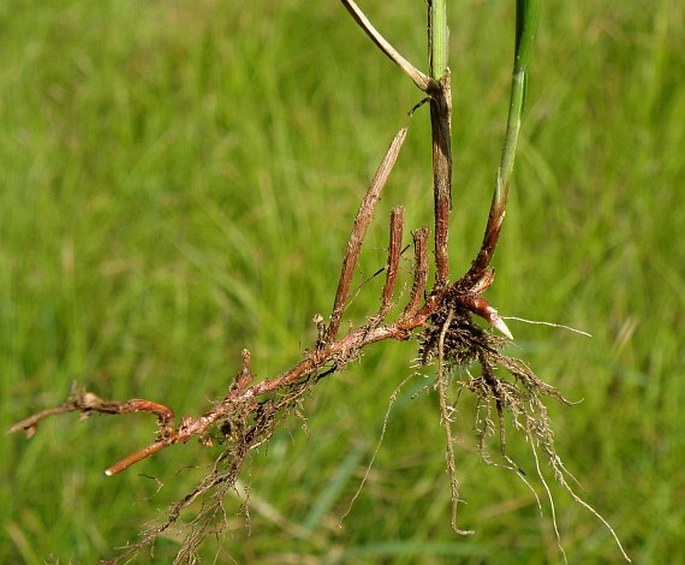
[(438, 36), (527, 16), (506, 168)]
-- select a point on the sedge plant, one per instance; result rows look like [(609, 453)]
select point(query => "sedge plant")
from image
[(441, 316)]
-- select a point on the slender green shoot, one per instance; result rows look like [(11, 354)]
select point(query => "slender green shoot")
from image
[(438, 38), (527, 16)]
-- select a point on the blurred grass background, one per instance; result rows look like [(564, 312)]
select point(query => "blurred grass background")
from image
[(177, 182)]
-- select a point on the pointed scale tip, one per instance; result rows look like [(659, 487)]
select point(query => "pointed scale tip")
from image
[(500, 325)]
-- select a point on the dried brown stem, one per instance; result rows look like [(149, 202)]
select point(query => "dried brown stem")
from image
[(361, 223), (420, 273), (392, 268), (441, 127)]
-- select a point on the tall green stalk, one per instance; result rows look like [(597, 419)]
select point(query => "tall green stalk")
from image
[(438, 38), (527, 17)]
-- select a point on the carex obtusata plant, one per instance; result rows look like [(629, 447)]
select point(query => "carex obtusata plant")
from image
[(462, 355)]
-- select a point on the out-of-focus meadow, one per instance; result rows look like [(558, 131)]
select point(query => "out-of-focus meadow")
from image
[(177, 182)]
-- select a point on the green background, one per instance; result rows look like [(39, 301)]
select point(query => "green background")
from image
[(177, 182)]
